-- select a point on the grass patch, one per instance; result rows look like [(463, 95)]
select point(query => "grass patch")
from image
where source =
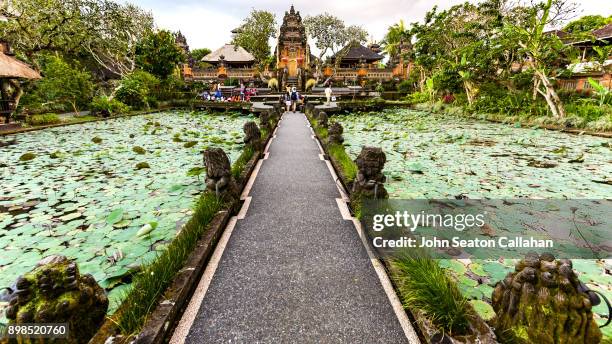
[(241, 162), (87, 118), (151, 283), (321, 132), (347, 165), (424, 285)]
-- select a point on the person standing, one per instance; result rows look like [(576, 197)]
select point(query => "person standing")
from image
[(288, 100), (295, 96), (218, 94), (242, 91), (328, 93)]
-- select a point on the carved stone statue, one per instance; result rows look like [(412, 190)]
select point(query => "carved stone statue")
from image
[(55, 292), (264, 120), (308, 109), (322, 119), (544, 302), (369, 182), (315, 113), (219, 173), (334, 133), (252, 135)]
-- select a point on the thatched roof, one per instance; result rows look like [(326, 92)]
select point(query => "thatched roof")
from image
[(12, 68), (604, 33), (355, 51), (231, 53)]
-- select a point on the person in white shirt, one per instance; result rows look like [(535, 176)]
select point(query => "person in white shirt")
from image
[(328, 93)]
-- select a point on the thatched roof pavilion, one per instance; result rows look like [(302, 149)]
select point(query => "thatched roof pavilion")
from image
[(11, 68), (232, 56)]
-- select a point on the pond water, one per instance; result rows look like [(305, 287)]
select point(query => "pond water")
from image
[(435, 156), (83, 194)]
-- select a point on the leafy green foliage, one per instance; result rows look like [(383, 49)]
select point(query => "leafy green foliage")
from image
[(135, 88), (112, 105), (396, 35), (586, 24), (330, 33), (43, 119), (604, 93), (255, 32), (64, 86), (405, 86), (417, 97), (158, 54), (101, 30), (198, 54)]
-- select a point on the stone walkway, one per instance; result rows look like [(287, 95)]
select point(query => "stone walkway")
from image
[(293, 270)]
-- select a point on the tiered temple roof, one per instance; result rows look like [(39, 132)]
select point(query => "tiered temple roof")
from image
[(355, 52)]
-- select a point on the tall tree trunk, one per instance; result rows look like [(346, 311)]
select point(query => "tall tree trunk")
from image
[(421, 80), (470, 91), (551, 96)]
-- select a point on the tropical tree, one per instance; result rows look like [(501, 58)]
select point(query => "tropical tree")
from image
[(457, 47), (330, 35), (396, 35), (543, 50), (587, 24), (198, 54), (37, 26), (117, 30), (255, 32), (158, 54), (105, 30), (63, 84)]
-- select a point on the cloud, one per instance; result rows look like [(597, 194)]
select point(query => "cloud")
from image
[(207, 23)]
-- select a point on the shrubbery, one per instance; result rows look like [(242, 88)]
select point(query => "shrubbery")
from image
[(135, 89), (417, 97), (43, 119), (404, 86), (104, 103), (65, 86)]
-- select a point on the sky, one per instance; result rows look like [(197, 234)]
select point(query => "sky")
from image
[(207, 23)]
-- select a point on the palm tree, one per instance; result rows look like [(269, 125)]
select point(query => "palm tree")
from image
[(397, 34)]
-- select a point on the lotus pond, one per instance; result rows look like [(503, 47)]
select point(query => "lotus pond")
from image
[(86, 191), (438, 157)]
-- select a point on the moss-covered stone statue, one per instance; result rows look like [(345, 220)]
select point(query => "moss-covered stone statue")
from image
[(264, 120), (252, 135), (219, 173), (369, 182), (334, 133), (544, 302), (322, 119), (55, 292)]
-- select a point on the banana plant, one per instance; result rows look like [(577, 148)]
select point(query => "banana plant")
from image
[(601, 91)]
